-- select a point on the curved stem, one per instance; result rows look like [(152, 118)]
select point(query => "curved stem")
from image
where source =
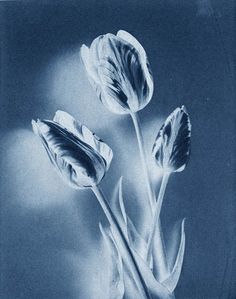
[(156, 217), (139, 135), (122, 243)]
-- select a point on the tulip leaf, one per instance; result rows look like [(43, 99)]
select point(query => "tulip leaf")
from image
[(171, 149), (155, 288), (116, 280), (136, 240), (121, 201), (138, 247), (131, 289), (159, 246), (117, 206), (173, 279), (172, 243)]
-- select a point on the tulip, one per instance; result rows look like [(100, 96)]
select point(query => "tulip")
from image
[(171, 149), (118, 68), (81, 158), (171, 152)]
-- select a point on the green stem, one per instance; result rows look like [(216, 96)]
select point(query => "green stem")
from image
[(155, 226), (139, 135), (122, 243)]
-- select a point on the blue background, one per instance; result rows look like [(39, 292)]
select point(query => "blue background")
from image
[(50, 241)]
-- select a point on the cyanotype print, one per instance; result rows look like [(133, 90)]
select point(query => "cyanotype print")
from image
[(147, 209)]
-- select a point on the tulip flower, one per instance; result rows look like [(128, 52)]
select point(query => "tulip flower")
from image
[(118, 68), (171, 149), (171, 152), (80, 157)]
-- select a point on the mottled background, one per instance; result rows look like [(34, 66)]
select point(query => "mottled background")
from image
[(50, 241)]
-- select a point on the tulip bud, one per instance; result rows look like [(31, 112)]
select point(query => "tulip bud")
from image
[(81, 157), (171, 149), (118, 68)]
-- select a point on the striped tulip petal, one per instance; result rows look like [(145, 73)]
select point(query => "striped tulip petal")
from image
[(171, 149), (81, 158), (118, 69)]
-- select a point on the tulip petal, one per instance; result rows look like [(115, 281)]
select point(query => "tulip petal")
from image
[(97, 48), (119, 71), (132, 40), (90, 60), (40, 129), (103, 57), (89, 66), (75, 160), (122, 74), (143, 57), (171, 149), (84, 134)]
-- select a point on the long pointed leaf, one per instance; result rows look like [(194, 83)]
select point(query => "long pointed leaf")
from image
[(158, 262), (121, 201), (116, 279), (156, 289), (117, 206), (136, 240), (172, 243), (173, 279)]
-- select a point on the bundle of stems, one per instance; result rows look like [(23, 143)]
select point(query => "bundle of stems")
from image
[(118, 69), (141, 262)]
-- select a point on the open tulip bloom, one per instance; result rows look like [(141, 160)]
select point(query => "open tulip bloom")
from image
[(118, 68), (80, 156), (142, 266)]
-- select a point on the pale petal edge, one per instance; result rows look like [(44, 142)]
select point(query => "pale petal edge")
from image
[(82, 132), (143, 56), (89, 66)]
